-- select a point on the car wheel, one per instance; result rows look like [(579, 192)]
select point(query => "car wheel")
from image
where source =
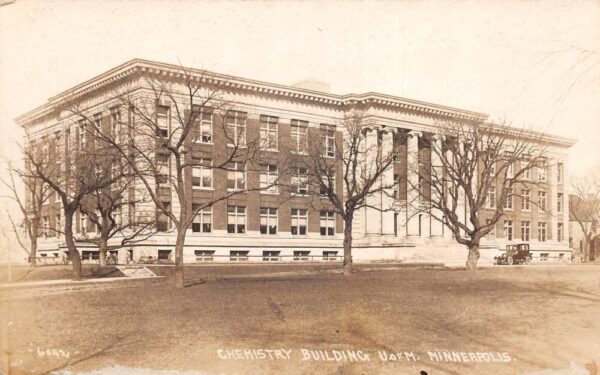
[(510, 261), (527, 260)]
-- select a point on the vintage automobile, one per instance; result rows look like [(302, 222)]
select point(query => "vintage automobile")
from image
[(515, 254)]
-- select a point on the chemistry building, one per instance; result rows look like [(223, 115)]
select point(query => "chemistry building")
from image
[(276, 225)]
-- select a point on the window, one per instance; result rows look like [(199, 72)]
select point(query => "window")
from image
[(202, 173), (508, 203), (162, 164), (300, 181), (268, 132), (559, 172), (82, 224), (559, 232), (508, 230), (525, 200), (268, 220), (327, 225), (492, 232), (525, 230), (203, 124), (162, 121), (238, 256), (559, 202), (491, 198), (46, 226), (45, 149), (236, 127), (204, 255), (268, 178), (541, 169), (542, 200), (202, 222), (236, 177), (328, 140), (330, 255), (300, 255), (328, 184), (299, 135), (164, 254), (299, 221), (58, 223), (271, 255), (118, 216), (82, 135), (236, 219), (526, 170), (162, 220), (510, 170), (542, 232), (115, 124)]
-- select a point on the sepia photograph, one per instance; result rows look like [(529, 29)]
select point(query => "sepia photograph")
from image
[(299, 187)]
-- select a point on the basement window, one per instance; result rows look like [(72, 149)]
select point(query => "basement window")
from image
[(204, 255), (164, 254), (330, 255), (301, 255), (238, 256), (271, 256)]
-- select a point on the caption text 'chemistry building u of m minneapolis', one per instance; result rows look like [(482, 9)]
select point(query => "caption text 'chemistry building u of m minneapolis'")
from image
[(272, 225)]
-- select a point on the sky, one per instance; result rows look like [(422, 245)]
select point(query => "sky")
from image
[(531, 63)]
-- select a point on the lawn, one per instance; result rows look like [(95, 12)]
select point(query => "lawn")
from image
[(55, 272), (501, 320)]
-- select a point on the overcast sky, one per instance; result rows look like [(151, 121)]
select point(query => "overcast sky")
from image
[(534, 63)]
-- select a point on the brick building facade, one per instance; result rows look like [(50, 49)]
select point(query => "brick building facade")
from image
[(280, 225)]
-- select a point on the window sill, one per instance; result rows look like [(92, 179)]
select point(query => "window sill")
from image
[(203, 188), (204, 143), (238, 146), (269, 193)]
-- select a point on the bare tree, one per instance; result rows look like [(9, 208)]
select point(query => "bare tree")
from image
[(73, 171), (475, 168), (105, 209), (30, 208), (163, 126), (358, 158), (584, 206)]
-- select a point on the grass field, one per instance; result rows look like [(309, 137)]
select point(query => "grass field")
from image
[(538, 317)]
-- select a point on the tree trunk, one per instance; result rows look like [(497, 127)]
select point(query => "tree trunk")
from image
[(472, 258), (73, 252), (586, 249), (102, 247), (348, 247), (179, 258), (33, 250)]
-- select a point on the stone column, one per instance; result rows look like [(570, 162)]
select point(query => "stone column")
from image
[(373, 213), (387, 180), (552, 196), (437, 227), (565, 190), (412, 177)]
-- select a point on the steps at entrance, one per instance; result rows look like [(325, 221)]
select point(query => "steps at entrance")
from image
[(136, 271)]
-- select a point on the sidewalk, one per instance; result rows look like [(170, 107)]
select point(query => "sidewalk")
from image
[(67, 282)]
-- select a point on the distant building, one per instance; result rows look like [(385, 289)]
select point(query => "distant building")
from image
[(275, 227)]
